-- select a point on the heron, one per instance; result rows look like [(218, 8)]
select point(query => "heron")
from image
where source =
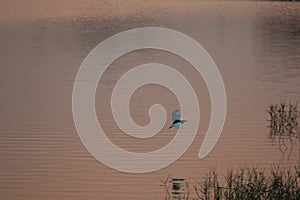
[(176, 121)]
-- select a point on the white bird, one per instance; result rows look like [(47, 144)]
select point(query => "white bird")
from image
[(176, 121)]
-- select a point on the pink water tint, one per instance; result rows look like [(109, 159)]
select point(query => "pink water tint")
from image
[(254, 44)]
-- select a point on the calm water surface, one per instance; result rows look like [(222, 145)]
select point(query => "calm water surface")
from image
[(256, 46)]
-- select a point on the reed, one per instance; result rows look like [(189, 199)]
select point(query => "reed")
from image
[(248, 183), (252, 183), (284, 128), (284, 119)]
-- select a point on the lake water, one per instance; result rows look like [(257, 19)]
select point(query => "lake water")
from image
[(256, 46)]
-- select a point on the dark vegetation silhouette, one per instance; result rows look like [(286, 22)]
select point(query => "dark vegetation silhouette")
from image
[(277, 183)]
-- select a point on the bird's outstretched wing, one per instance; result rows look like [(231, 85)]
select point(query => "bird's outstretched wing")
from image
[(175, 115)]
